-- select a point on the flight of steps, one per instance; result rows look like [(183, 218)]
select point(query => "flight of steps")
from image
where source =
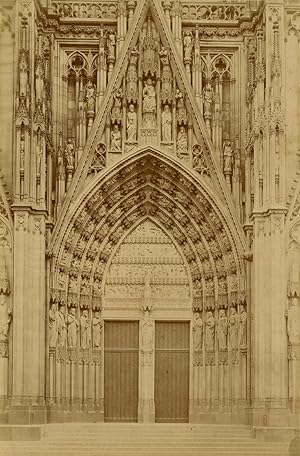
[(132, 439)]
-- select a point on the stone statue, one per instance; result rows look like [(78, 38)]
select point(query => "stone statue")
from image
[(72, 326), (97, 329), (132, 77), (53, 327), (197, 332), (166, 77), (181, 115), (22, 151), (222, 329), (188, 46), (293, 324), (5, 317), (149, 104), (115, 138), (166, 124), (23, 74), (84, 330), (60, 163), (209, 331), (39, 82), (62, 327), (111, 45), (70, 154), (243, 328), (116, 112), (147, 332), (131, 124), (228, 157), (207, 99), (39, 152), (182, 141), (90, 90), (233, 328)]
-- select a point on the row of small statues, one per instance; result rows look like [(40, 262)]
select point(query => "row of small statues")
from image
[(230, 329), (65, 327)]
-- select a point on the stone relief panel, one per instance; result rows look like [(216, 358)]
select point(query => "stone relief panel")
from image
[(147, 252)]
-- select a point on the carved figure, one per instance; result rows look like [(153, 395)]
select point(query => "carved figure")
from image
[(132, 77), (23, 74), (207, 99), (115, 138), (182, 141), (166, 124), (233, 329), (197, 331), (60, 163), (53, 327), (69, 154), (22, 152), (293, 326), (149, 104), (111, 45), (39, 152), (147, 332), (84, 330), (222, 329), (116, 112), (188, 46), (39, 82), (62, 327), (5, 317), (209, 331), (166, 77), (90, 91), (131, 124), (72, 328), (97, 329), (228, 157), (181, 115), (243, 328)]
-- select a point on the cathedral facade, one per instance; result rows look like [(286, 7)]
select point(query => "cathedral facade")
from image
[(150, 211)]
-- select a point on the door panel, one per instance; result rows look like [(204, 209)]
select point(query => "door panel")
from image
[(121, 356), (171, 371)]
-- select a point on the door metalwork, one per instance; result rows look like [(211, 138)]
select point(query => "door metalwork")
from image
[(172, 342), (121, 361)]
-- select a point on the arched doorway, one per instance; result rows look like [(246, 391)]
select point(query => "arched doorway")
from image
[(146, 365), (148, 243)]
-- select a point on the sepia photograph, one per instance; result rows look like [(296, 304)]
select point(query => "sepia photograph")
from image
[(149, 227)]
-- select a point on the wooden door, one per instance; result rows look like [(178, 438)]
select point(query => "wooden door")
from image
[(172, 342), (121, 361)]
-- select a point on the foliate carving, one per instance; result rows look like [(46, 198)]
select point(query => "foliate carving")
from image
[(199, 161), (86, 10), (99, 159), (214, 12)]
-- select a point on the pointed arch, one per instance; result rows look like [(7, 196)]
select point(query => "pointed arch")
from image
[(148, 183)]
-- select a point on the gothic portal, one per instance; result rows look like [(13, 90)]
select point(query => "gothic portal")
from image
[(149, 212)]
